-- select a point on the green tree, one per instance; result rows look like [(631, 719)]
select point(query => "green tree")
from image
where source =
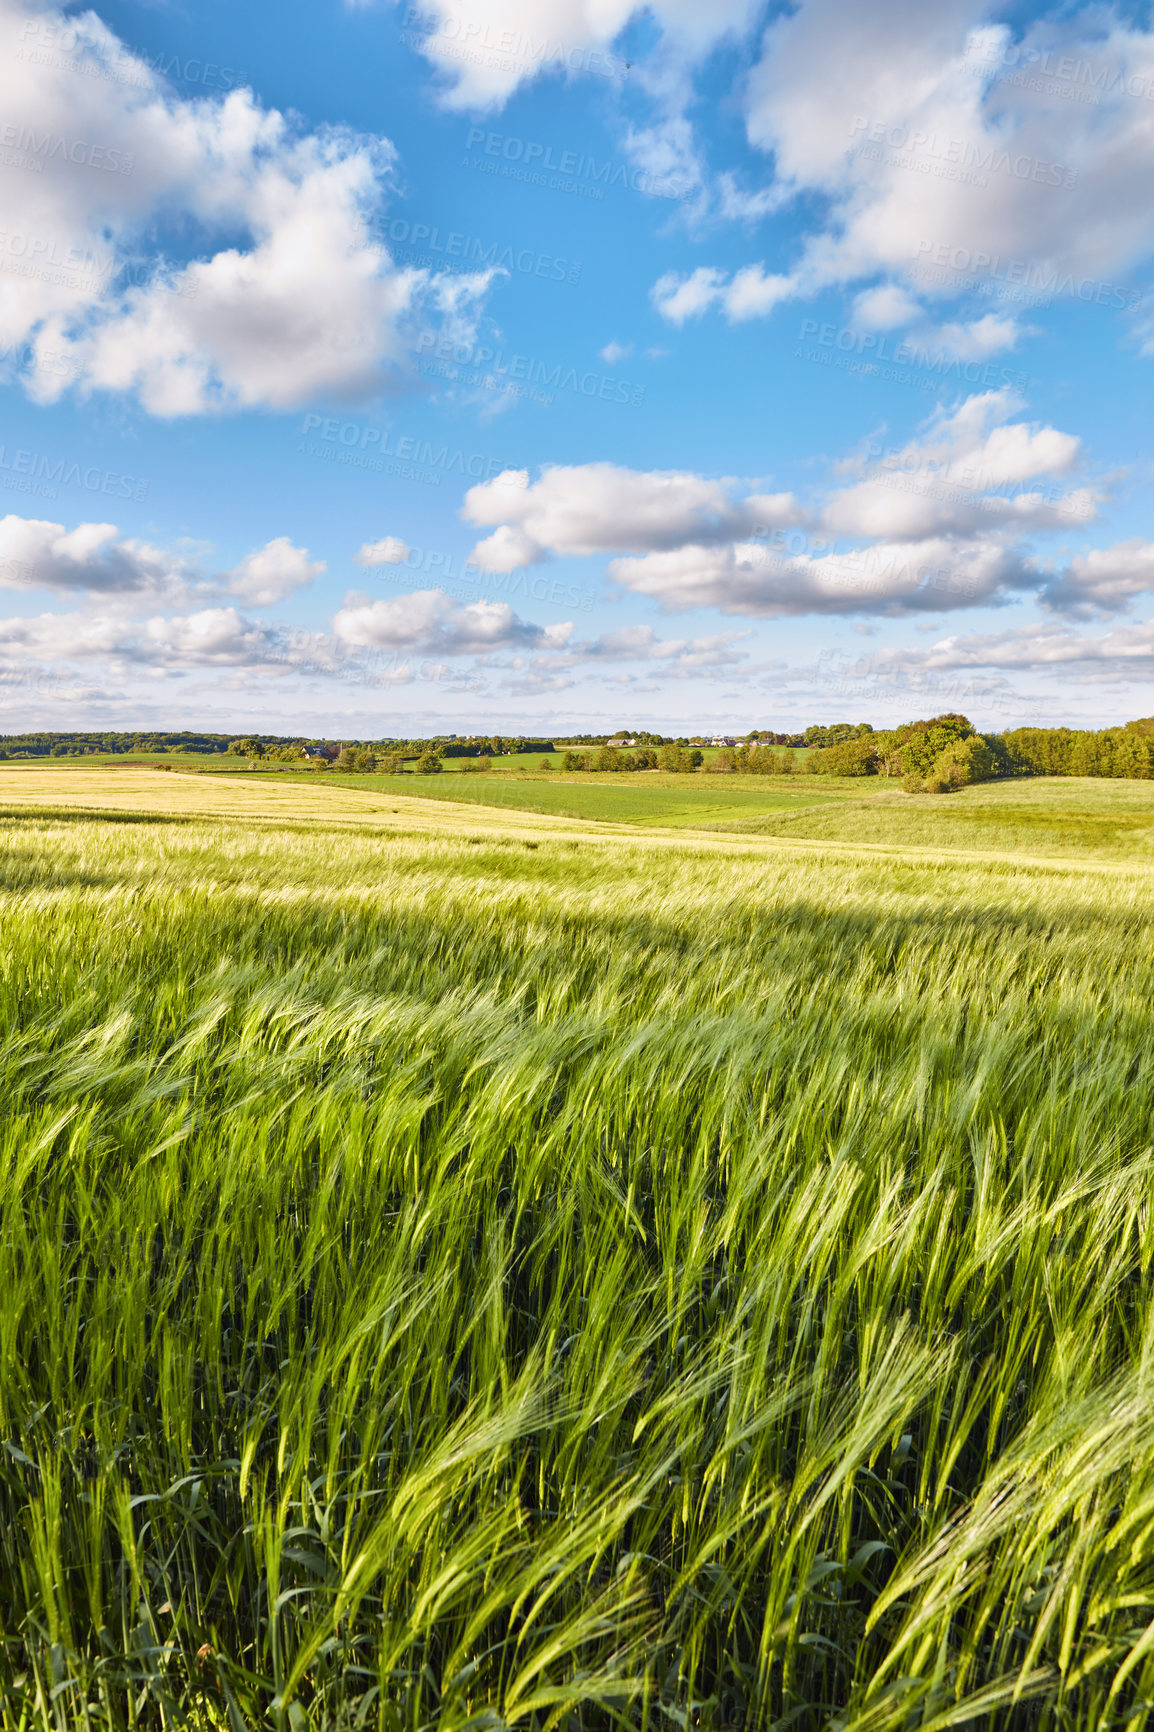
[(965, 761)]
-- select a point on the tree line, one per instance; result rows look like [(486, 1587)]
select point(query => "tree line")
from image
[(931, 755)]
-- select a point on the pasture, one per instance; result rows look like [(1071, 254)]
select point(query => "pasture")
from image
[(477, 1265)]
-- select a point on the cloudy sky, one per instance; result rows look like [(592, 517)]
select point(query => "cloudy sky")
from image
[(376, 368)]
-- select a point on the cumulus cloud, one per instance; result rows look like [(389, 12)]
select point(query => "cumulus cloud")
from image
[(1125, 651), (208, 637), (507, 549), (937, 166), (931, 575), (941, 522), (290, 294), (751, 293), (938, 520), (970, 471), (1103, 581), (391, 550), (431, 623), (680, 655), (603, 508), (94, 560), (35, 554), (272, 573), (483, 50)]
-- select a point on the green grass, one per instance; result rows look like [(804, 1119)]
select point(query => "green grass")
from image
[(650, 799), (1072, 817), (464, 1269)]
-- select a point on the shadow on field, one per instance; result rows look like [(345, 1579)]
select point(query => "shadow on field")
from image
[(31, 817)]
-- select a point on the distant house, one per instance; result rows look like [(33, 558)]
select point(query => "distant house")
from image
[(622, 741), (723, 740), (321, 754)]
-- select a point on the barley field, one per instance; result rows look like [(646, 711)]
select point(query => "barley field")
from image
[(468, 1268)]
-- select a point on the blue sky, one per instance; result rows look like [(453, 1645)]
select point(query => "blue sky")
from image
[(526, 364)]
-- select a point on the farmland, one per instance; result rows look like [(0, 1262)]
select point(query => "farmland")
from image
[(505, 1259)]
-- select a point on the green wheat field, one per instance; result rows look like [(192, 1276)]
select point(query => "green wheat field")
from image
[(464, 1265)]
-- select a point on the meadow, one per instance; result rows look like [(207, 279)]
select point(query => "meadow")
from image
[(467, 1267)]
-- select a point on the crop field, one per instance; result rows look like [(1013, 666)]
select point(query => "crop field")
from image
[(469, 1267)]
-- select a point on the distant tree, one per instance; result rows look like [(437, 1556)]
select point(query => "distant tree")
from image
[(845, 757), (430, 763), (545, 764), (361, 760), (694, 758), (574, 761), (965, 761)]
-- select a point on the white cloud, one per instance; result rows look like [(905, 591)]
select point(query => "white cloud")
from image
[(943, 152), (614, 352), (678, 298), (641, 643), (289, 296), (35, 554), (210, 637), (603, 508), (752, 293), (940, 523), (507, 549), (93, 560), (1128, 650), (889, 578), (485, 49), (992, 334), (885, 308), (970, 472), (273, 572), (430, 622), (389, 551), (1105, 580)]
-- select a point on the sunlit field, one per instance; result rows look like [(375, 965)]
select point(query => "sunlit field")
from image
[(475, 1267)]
